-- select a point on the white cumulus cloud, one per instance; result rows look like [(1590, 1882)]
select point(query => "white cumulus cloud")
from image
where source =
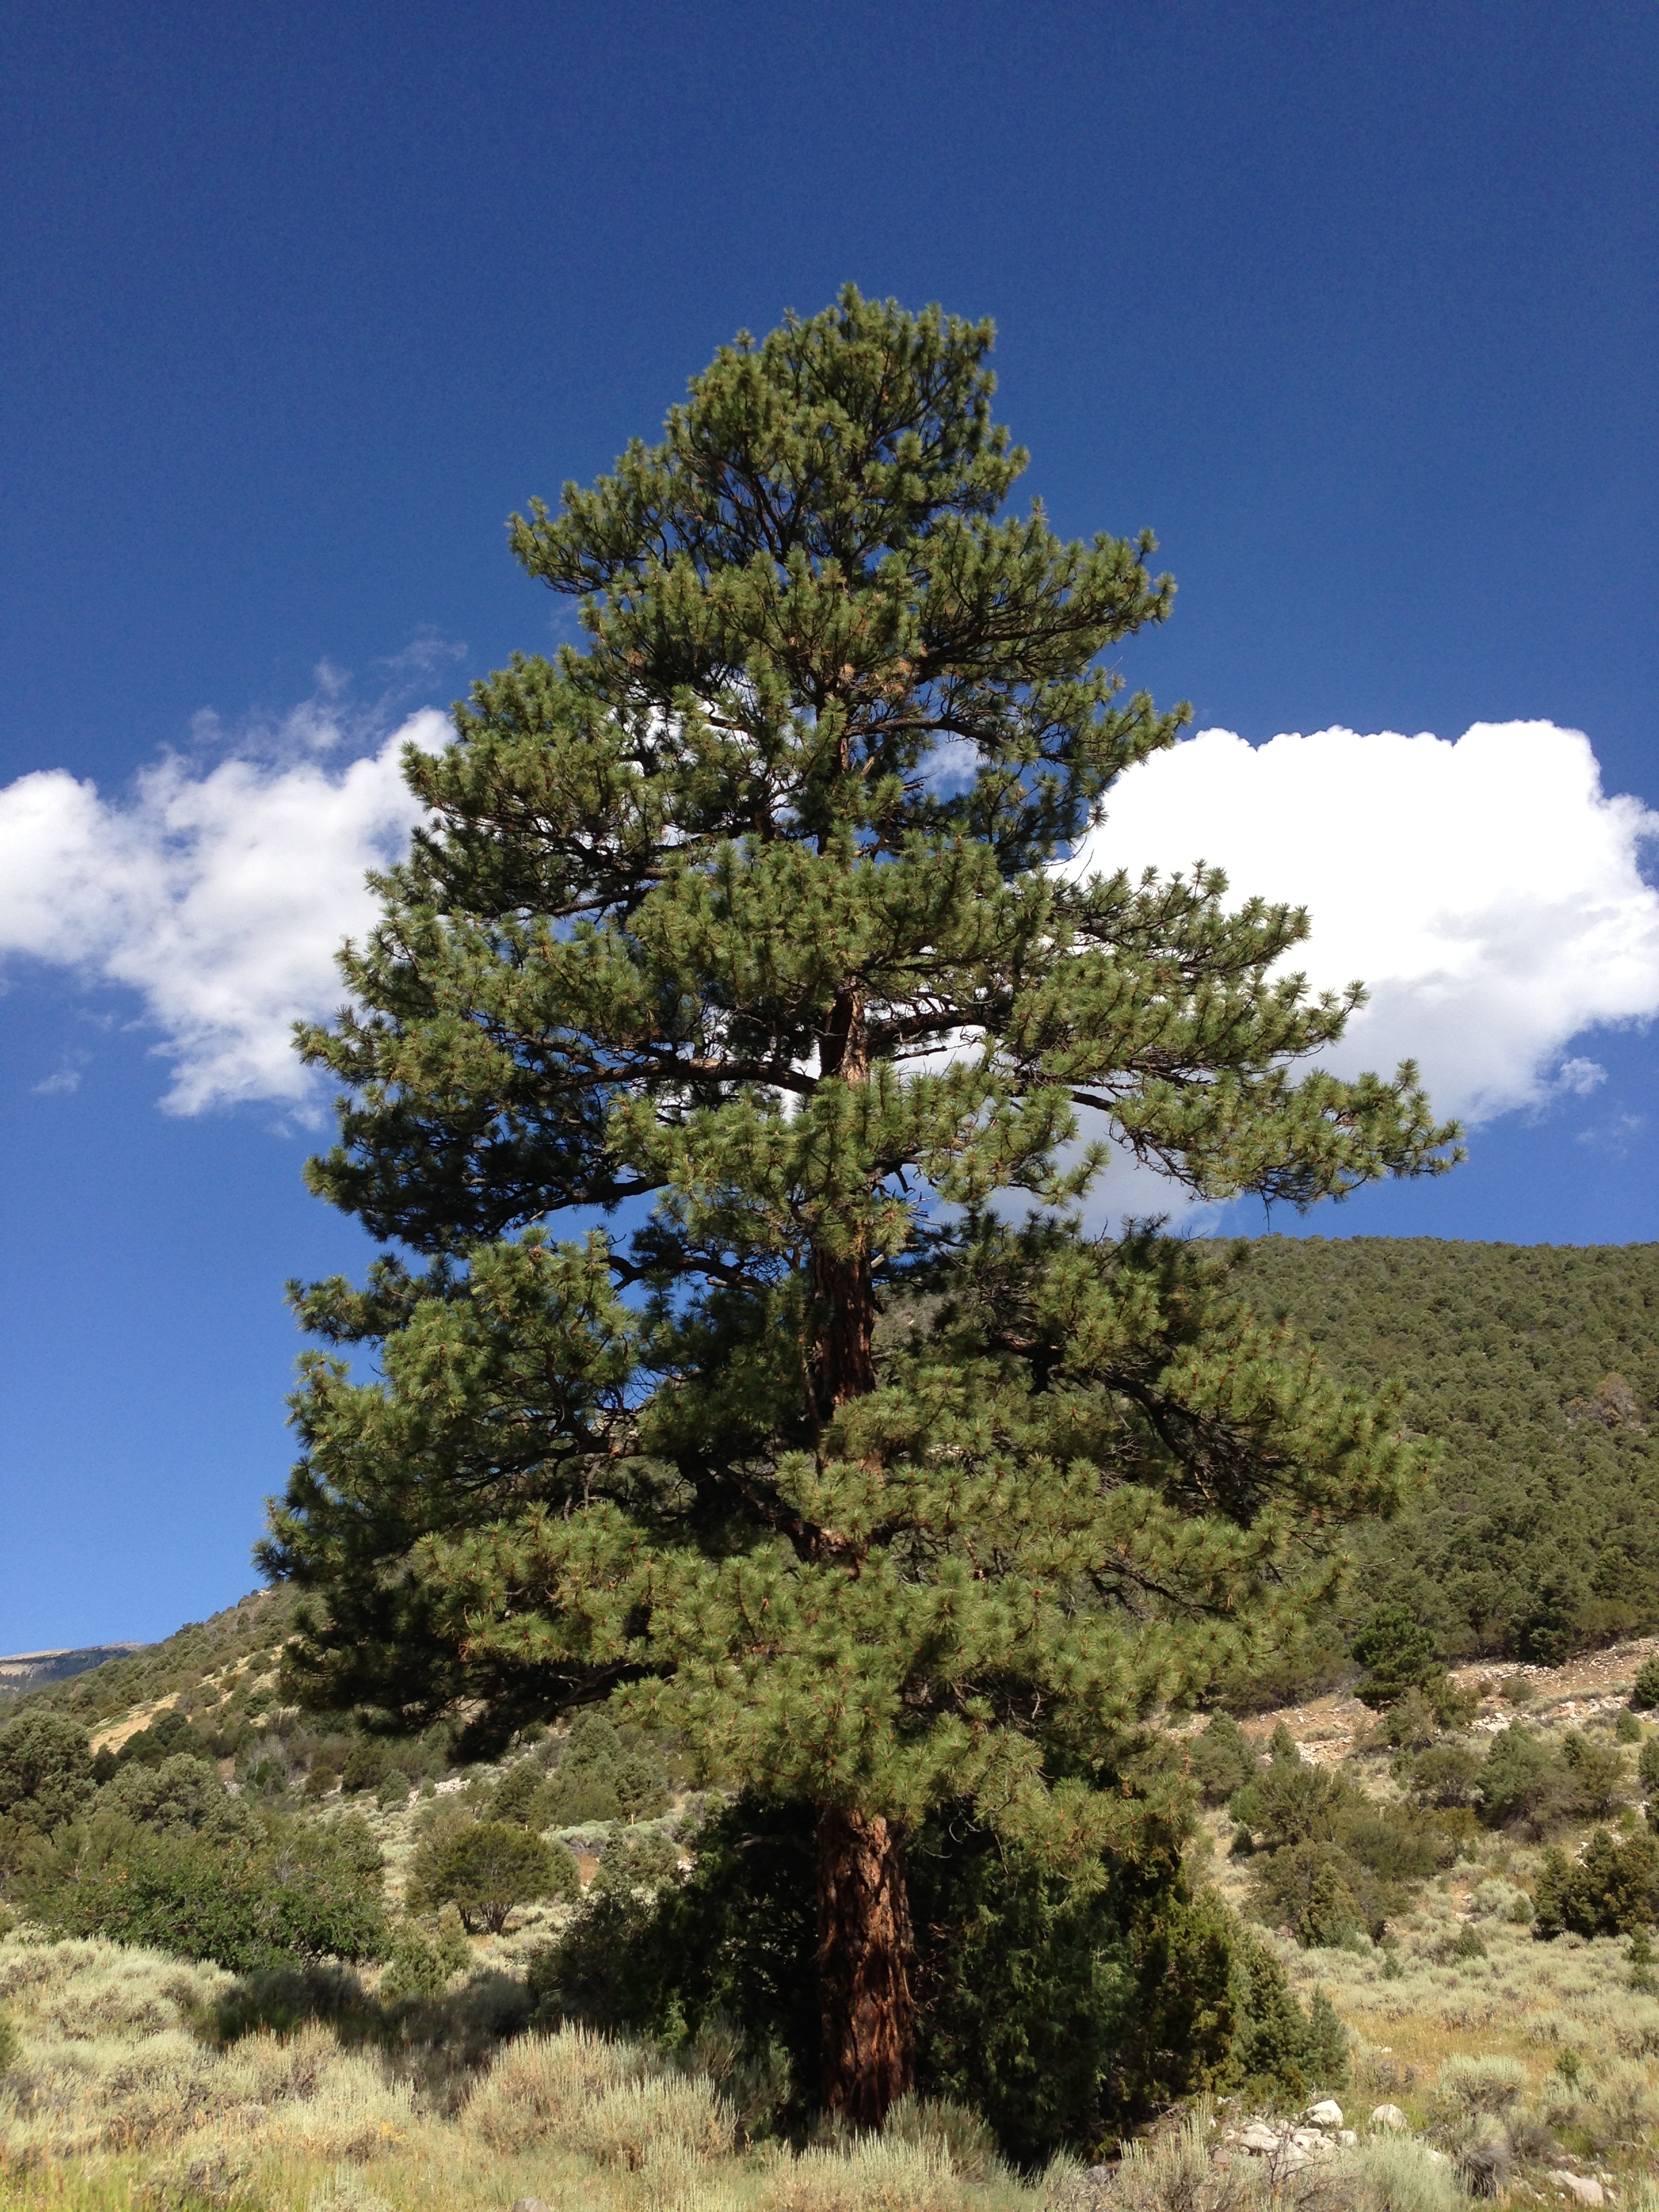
[(220, 896), (1488, 891)]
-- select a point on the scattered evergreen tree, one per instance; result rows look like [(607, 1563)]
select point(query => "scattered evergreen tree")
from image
[(366, 1766), (1065, 2012), (1644, 1690), (1221, 1759), (1397, 1654), (1613, 1889), (1533, 1370), (181, 1794), (484, 1867), (743, 926)]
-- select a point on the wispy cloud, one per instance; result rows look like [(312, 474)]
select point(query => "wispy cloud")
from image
[(219, 894)]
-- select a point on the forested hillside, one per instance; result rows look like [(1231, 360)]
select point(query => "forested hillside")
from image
[(1536, 1370), (1534, 1367), (140, 1674)]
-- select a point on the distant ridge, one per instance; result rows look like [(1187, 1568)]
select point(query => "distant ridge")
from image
[(32, 1670)]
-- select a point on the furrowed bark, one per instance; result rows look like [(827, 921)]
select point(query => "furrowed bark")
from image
[(866, 2006), (844, 1301), (867, 2011)]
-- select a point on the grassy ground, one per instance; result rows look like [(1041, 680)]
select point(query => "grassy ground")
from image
[(118, 2107), (117, 2103), (120, 2101)]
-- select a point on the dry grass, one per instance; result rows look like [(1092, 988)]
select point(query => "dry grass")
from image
[(118, 2106), (117, 2103)]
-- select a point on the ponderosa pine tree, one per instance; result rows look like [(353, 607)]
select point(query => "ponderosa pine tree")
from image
[(741, 926)]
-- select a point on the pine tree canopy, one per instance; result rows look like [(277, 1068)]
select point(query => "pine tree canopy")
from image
[(747, 932)]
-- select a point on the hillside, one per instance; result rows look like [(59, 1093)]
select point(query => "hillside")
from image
[(32, 1670), (146, 1675), (1536, 1369)]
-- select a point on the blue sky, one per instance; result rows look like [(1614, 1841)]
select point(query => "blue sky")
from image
[(1355, 308)]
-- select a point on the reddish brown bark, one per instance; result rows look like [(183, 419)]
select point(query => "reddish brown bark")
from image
[(844, 1306), (867, 2012), (865, 2007)]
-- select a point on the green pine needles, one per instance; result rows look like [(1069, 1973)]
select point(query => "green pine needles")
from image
[(741, 929)]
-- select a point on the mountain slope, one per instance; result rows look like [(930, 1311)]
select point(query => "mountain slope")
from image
[(1536, 1368)]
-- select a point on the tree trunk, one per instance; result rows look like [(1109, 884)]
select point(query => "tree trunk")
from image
[(843, 1297), (841, 1281), (867, 2009)]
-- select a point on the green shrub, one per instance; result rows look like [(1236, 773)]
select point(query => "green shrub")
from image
[(597, 1777), (1611, 1890), (1644, 1690), (484, 1867), (734, 1941), (1627, 1729), (1062, 2013), (1599, 1787), (1445, 1776), (645, 1861), (414, 1968), (171, 1734), (394, 1792), (1328, 1863), (1294, 1804), (450, 1942), (1326, 1898), (11, 2049), (523, 1795), (292, 1889), (364, 1767), (1411, 1723), (1524, 1783), (1067, 2015), (1221, 1759), (46, 1771), (182, 1792)]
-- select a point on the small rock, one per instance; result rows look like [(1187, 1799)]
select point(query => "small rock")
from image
[(1580, 2186), (1327, 2113), (530, 2204), (1388, 2116), (1347, 2137), (1256, 2134)]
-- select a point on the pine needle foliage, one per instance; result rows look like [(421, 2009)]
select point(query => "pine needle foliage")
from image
[(748, 926)]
